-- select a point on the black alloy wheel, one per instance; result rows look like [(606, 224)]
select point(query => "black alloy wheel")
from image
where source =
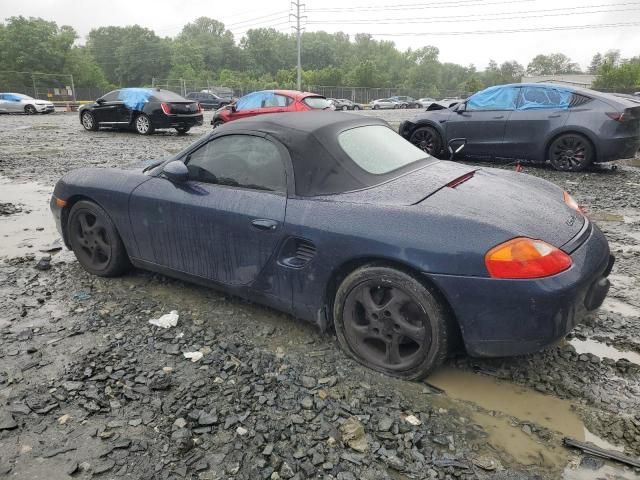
[(390, 322), (95, 240), (427, 139), (571, 153)]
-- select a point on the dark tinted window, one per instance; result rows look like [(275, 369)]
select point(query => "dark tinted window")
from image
[(167, 96), (240, 161), (111, 96)]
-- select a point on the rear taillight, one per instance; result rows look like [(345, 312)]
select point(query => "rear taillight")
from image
[(166, 108), (568, 199), (525, 258), (617, 116)]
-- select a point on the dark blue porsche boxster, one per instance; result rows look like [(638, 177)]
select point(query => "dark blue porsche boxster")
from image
[(337, 220)]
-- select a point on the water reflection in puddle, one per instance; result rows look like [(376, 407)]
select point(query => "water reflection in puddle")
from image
[(19, 231), (603, 350)]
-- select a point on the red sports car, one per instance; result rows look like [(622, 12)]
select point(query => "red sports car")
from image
[(270, 101)]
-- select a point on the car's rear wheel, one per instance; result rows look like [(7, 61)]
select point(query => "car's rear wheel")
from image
[(344, 108), (143, 125), (403, 106), (89, 121), (427, 139), (376, 107), (389, 321), (356, 107), (182, 130), (95, 240), (30, 110), (571, 152)]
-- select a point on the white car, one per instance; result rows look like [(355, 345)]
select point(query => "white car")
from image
[(425, 102), (386, 103), (19, 103)]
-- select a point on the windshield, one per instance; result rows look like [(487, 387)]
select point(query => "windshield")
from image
[(378, 149), (318, 103)]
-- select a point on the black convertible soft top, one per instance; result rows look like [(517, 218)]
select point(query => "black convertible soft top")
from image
[(320, 165)]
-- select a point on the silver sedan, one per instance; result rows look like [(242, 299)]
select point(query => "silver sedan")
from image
[(19, 103)]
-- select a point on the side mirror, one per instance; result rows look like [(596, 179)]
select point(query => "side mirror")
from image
[(176, 172), (100, 101), (233, 107), (461, 107)]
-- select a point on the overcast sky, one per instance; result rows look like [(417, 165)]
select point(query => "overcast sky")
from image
[(409, 23)]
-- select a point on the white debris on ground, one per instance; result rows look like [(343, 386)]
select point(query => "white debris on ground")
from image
[(194, 356), (167, 320)]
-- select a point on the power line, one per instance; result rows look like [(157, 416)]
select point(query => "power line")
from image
[(466, 19), (461, 4), (515, 30)]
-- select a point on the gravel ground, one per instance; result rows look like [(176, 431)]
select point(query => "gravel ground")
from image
[(88, 388)]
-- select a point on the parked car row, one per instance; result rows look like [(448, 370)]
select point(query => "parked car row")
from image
[(20, 103), (344, 104)]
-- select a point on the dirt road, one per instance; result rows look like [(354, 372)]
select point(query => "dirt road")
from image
[(88, 388)]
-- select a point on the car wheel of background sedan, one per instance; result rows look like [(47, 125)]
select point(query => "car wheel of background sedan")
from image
[(375, 107), (390, 322), (345, 108), (89, 121), (356, 107), (571, 152), (95, 240), (427, 139), (182, 130), (403, 106), (30, 110), (143, 125)]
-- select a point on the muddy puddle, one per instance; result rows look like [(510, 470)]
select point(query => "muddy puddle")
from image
[(603, 350), (526, 425), (26, 225), (623, 308)]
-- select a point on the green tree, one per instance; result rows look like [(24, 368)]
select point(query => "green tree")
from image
[(552, 64)]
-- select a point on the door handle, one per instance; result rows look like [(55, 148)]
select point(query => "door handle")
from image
[(554, 116), (498, 116), (264, 224)]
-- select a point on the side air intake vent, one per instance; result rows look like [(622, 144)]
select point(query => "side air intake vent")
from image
[(297, 253)]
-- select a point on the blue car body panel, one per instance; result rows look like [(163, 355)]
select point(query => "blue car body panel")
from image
[(207, 233)]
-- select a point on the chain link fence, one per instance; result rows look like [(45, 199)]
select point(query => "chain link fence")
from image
[(43, 86)]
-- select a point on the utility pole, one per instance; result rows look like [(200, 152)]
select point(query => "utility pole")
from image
[(298, 30)]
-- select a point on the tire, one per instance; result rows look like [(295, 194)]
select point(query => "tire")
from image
[(375, 107), (344, 108), (182, 130), (403, 106), (390, 322), (143, 125), (356, 107), (95, 241), (571, 152), (427, 139), (30, 110), (88, 121)]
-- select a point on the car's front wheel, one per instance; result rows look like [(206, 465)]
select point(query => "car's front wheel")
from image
[(403, 106), (571, 152), (30, 110), (143, 125), (95, 241), (89, 121), (427, 139), (389, 321), (375, 107), (344, 108)]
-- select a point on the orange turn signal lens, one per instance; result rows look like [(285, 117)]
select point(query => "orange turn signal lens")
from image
[(568, 199), (61, 203), (525, 258)]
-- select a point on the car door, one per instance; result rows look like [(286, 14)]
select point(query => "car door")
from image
[(226, 221), (481, 121), (540, 111), (108, 108), (3, 103), (13, 103)]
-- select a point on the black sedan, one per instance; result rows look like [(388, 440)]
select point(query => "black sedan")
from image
[(571, 127), (344, 104), (208, 101), (336, 219), (141, 109)]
